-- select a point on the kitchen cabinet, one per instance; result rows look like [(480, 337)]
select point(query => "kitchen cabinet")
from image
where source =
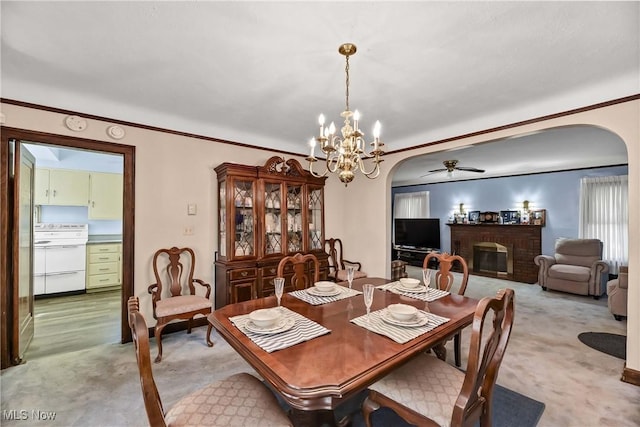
[(105, 195), (104, 266), (264, 214), (61, 187)]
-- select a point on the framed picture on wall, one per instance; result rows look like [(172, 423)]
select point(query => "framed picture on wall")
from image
[(538, 217)]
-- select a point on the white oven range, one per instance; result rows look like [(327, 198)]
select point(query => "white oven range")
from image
[(59, 258)]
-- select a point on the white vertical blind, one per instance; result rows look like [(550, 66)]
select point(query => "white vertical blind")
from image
[(411, 205), (604, 215)]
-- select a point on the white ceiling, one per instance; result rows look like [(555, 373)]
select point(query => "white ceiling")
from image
[(259, 73)]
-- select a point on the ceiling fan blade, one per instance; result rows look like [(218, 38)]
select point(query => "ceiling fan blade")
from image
[(432, 172), (462, 168)]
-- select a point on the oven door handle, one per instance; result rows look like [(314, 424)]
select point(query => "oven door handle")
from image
[(60, 273), (42, 242)]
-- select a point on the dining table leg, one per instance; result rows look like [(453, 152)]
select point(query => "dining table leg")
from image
[(302, 418)]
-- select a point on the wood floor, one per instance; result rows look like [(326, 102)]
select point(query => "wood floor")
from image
[(75, 322)]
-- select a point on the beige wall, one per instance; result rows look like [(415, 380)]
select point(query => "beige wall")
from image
[(173, 171)]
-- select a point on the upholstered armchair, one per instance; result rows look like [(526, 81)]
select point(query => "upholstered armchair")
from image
[(576, 267), (617, 293)]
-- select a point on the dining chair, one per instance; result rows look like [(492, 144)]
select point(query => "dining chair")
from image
[(445, 280), (240, 399), (300, 265), (429, 392), (174, 295), (338, 265)]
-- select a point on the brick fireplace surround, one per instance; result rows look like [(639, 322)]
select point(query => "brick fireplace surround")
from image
[(525, 240)]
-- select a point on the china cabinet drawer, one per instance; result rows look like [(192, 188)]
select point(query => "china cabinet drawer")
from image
[(270, 271), (243, 273)]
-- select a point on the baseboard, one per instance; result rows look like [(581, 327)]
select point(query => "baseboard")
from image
[(180, 326), (630, 376)]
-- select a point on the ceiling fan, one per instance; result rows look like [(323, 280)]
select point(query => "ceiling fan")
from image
[(450, 166)]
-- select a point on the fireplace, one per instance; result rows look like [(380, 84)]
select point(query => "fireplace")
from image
[(522, 243), (491, 258)]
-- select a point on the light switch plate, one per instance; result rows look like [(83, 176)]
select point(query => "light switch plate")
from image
[(192, 208)]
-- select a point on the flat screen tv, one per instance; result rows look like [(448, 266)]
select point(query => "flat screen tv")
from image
[(417, 232)]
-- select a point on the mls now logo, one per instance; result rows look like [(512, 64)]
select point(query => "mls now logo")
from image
[(23, 414)]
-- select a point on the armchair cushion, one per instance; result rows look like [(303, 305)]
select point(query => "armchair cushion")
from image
[(570, 272), (341, 275), (181, 304)]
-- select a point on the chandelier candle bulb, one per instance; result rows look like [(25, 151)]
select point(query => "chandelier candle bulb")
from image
[(312, 144)]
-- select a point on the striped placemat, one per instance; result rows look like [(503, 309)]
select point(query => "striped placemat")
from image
[(400, 334), (431, 294), (303, 330), (317, 300)]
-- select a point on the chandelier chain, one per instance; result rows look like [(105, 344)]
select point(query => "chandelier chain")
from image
[(346, 70)]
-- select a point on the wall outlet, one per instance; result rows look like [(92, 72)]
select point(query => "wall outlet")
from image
[(188, 230)]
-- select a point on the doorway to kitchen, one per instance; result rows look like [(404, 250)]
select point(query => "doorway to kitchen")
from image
[(77, 249), (9, 339)]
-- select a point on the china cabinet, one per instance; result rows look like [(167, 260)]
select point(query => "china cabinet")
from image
[(265, 213)]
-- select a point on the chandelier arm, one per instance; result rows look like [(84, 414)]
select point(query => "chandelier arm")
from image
[(375, 170), (333, 161), (317, 175)]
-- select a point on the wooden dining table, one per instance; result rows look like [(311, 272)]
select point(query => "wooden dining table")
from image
[(316, 376)]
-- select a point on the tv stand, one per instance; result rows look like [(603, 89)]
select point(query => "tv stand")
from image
[(411, 254)]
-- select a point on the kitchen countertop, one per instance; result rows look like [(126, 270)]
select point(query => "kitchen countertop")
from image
[(104, 238)]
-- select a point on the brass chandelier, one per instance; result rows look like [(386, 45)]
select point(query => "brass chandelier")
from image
[(346, 155)]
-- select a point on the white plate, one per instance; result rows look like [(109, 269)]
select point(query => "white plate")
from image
[(284, 324), (417, 290), (420, 320), (313, 291)]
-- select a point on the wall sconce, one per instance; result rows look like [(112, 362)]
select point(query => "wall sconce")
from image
[(528, 206)]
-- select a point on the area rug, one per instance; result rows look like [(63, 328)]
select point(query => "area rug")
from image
[(611, 344), (510, 409)]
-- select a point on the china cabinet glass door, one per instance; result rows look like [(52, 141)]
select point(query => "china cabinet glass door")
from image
[(294, 218), (273, 218), (222, 219), (244, 220), (314, 215)]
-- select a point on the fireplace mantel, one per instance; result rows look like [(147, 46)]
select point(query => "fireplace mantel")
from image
[(525, 240)]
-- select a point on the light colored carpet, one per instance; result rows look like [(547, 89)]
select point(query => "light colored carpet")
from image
[(545, 361)]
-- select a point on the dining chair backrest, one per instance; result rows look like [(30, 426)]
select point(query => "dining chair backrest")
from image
[(140, 335), (486, 350), (444, 278), (338, 264), (302, 264)]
